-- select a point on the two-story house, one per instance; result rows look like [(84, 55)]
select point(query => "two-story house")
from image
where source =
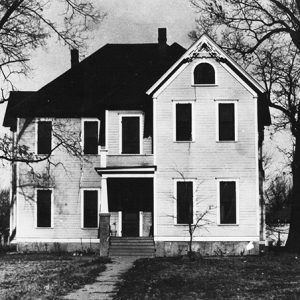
[(151, 136)]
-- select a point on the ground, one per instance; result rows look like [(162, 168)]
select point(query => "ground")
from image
[(32, 276), (268, 277)]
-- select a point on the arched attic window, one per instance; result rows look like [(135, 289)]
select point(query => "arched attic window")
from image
[(204, 73)]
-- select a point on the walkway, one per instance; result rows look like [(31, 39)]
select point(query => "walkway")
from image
[(104, 287)]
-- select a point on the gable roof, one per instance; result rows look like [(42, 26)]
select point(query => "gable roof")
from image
[(207, 43), (114, 77)]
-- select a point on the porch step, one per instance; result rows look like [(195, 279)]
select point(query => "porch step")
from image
[(131, 246)]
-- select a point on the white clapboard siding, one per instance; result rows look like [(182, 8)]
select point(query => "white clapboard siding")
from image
[(206, 160)]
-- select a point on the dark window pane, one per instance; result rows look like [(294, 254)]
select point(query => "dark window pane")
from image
[(226, 122), (90, 209), (184, 202), (44, 137), (91, 137), (228, 202), (130, 135), (204, 74), (43, 208), (183, 122)]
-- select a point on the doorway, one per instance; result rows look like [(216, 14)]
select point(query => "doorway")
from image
[(130, 224)]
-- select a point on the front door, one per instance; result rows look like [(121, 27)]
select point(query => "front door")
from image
[(130, 224)]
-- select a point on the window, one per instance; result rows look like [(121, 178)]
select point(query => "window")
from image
[(44, 136), (183, 122), (228, 202), (44, 208), (90, 208), (204, 73), (131, 135), (226, 122), (90, 137), (184, 197)]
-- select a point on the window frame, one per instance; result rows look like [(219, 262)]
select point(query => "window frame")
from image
[(204, 84), (129, 115), (193, 133), (36, 209), (37, 120), (83, 120), (82, 190), (237, 200), (235, 103), (176, 180)]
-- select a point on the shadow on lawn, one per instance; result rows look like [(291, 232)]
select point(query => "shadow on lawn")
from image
[(248, 277)]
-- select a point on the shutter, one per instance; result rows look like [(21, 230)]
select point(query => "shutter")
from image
[(90, 209), (44, 137), (184, 202), (226, 122), (130, 135), (44, 208), (184, 122), (228, 202), (91, 137)]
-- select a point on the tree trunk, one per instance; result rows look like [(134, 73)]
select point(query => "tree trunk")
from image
[(293, 242)]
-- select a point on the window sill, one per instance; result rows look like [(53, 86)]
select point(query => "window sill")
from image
[(204, 85), (228, 225), (184, 224), (131, 154), (224, 142), (89, 228), (184, 142), (44, 227)]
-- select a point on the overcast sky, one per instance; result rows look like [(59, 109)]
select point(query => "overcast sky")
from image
[(127, 21)]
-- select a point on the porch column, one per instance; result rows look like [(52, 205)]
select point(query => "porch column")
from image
[(104, 198), (120, 223), (141, 218)]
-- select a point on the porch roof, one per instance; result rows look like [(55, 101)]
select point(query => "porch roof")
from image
[(138, 170)]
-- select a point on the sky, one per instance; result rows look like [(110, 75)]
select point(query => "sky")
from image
[(127, 21)]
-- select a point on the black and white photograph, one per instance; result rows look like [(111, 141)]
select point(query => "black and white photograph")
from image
[(149, 149)]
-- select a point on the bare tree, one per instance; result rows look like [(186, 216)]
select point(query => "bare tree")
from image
[(278, 195), (27, 24), (14, 149), (266, 34)]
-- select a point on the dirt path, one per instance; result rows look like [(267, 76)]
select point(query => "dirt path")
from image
[(105, 285)]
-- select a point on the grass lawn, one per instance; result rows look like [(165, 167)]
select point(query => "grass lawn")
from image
[(268, 277), (45, 276)]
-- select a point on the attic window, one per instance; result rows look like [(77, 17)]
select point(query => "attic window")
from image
[(204, 73)]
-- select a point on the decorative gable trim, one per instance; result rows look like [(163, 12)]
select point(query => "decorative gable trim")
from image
[(203, 48)]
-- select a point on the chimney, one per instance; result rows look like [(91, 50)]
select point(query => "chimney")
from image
[(162, 41), (74, 57)]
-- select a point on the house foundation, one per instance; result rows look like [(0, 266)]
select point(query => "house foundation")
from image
[(211, 248)]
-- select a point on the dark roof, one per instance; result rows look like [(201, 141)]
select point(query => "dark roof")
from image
[(14, 99), (116, 76)]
